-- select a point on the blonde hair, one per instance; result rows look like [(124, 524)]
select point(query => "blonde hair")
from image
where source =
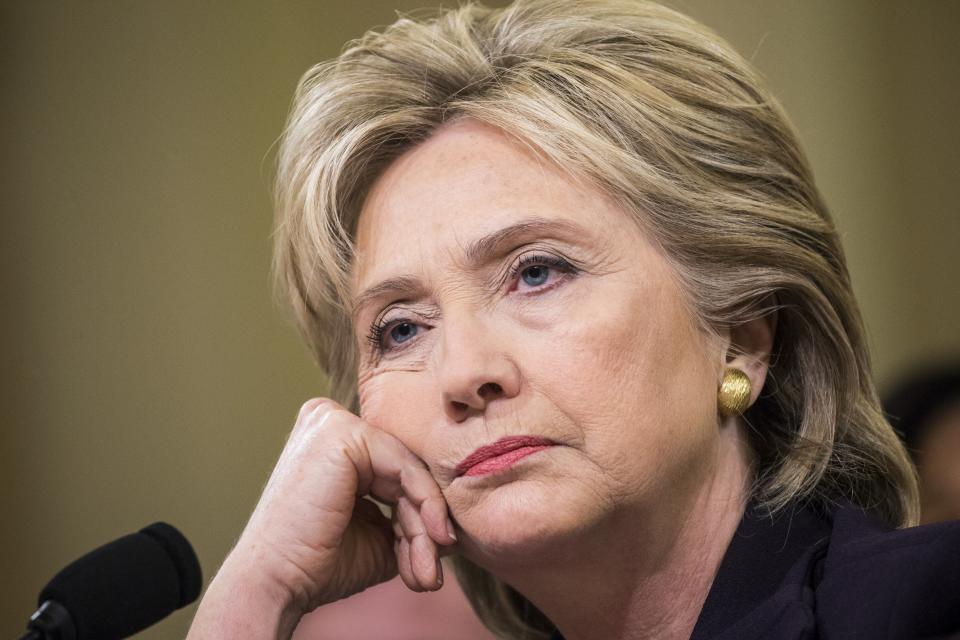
[(661, 114)]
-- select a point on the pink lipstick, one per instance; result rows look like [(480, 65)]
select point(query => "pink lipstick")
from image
[(501, 454)]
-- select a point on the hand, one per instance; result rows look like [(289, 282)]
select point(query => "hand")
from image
[(314, 538)]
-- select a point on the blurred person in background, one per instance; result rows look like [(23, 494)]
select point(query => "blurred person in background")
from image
[(590, 332), (924, 408)]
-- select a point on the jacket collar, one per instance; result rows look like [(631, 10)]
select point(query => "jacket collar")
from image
[(760, 564)]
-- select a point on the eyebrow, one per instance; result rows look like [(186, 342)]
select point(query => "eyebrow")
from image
[(476, 254)]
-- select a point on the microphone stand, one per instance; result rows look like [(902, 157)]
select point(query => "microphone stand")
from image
[(50, 622)]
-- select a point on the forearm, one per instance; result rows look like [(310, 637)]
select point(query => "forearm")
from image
[(239, 603)]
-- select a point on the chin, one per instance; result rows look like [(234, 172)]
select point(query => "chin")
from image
[(522, 520)]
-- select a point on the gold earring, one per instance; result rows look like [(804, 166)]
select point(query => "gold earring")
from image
[(733, 398)]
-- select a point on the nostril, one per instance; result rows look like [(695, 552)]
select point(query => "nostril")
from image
[(489, 388)]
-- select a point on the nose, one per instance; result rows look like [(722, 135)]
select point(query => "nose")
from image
[(475, 367)]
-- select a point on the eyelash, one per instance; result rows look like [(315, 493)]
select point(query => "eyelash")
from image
[(378, 329)]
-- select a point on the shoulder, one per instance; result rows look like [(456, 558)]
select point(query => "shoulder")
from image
[(881, 583), (835, 574)]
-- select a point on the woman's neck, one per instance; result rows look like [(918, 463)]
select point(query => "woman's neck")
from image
[(647, 574)]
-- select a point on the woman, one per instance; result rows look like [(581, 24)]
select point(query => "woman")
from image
[(589, 331)]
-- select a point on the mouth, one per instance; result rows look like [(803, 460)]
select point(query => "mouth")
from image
[(503, 453)]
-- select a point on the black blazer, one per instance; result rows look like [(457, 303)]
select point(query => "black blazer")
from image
[(841, 575), (807, 575)]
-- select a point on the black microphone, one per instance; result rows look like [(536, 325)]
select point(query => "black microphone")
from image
[(120, 588)]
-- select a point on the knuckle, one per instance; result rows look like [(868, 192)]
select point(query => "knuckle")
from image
[(316, 410), (310, 405)]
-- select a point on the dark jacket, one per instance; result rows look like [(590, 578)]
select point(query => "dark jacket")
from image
[(836, 576)]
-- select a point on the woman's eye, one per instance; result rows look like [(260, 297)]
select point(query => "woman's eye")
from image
[(535, 275), (403, 332), (388, 336), (540, 271)]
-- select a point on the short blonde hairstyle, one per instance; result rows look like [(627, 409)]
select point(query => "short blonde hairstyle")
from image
[(661, 114)]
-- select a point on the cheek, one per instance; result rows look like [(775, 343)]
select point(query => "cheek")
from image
[(643, 350), (637, 379), (396, 402)]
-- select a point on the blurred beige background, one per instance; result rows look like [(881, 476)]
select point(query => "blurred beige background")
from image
[(147, 372)]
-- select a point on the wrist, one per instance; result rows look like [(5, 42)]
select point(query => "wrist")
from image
[(244, 600)]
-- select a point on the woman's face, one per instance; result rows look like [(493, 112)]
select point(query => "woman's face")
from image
[(527, 305)]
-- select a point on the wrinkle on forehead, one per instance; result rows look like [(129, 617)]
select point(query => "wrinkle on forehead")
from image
[(445, 148)]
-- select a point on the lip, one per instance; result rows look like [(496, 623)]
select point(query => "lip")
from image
[(499, 449)]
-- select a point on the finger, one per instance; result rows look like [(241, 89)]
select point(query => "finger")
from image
[(404, 565), (424, 560), (442, 550), (395, 521), (423, 552), (409, 519), (408, 523), (398, 472), (435, 514)]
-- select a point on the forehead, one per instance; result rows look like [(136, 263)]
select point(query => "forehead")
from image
[(466, 181)]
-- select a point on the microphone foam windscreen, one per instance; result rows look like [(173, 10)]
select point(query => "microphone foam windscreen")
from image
[(183, 557), (128, 584)]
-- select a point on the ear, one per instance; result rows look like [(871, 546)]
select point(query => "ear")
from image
[(749, 348)]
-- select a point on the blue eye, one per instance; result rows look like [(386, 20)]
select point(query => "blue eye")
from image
[(387, 336), (535, 275), (536, 270), (403, 332)]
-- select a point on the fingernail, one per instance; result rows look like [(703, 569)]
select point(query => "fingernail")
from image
[(450, 531), (439, 572)]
